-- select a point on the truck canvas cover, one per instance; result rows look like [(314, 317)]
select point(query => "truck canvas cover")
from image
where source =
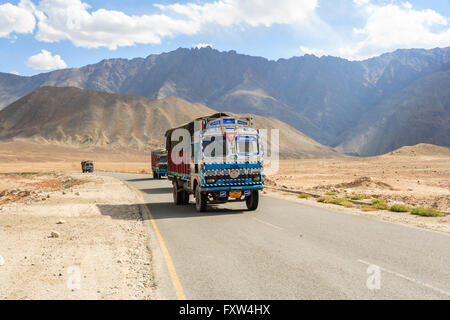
[(190, 127)]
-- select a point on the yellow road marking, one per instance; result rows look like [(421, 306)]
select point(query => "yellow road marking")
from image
[(170, 266)]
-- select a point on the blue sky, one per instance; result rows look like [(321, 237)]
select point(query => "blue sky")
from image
[(42, 35)]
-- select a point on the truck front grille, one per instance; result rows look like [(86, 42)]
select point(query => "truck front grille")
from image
[(241, 180)]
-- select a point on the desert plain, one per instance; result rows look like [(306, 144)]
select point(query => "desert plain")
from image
[(415, 175), (55, 220)]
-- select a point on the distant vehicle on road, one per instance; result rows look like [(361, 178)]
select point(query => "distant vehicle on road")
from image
[(223, 161), (159, 164), (87, 166)]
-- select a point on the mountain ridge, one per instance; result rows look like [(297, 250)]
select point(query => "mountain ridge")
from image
[(327, 98)]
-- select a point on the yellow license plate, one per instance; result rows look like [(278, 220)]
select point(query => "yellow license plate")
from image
[(235, 194)]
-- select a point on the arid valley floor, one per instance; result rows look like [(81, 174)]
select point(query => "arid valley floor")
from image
[(51, 215)]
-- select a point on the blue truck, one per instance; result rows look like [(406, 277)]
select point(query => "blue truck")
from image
[(217, 159), (159, 163)]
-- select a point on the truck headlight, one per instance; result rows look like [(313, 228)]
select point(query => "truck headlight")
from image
[(210, 180), (257, 178)]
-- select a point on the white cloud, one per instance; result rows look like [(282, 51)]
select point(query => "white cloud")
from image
[(75, 21), (392, 27), (360, 2), (72, 20), (45, 61), (18, 19), (314, 51), (202, 45), (15, 72), (250, 12)]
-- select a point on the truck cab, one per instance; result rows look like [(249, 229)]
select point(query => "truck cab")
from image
[(159, 164), (225, 163)]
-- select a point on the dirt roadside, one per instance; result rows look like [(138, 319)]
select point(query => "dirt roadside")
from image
[(440, 224), (83, 238), (416, 176)]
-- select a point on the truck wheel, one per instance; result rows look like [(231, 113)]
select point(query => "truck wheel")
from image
[(200, 200), (177, 195), (185, 197), (252, 200)]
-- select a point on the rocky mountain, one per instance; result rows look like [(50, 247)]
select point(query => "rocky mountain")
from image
[(419, 112), (75, 116), (330, 99)]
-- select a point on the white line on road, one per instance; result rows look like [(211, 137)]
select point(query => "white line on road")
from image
[(407, 278), (268, 224)]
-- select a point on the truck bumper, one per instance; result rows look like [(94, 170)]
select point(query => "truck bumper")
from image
[(226, 188)]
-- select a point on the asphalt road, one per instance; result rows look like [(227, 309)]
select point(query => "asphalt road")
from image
[(285, 250)]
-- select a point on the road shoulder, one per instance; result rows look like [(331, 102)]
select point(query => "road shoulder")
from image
[(439, 224), (90, 241)]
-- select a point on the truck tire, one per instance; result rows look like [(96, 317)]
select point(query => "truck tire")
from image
[(200, 200), (252, 200), (177, 195), (185, 197)]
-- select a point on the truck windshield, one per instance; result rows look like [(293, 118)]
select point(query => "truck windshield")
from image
[(215, 146), (247, 145)]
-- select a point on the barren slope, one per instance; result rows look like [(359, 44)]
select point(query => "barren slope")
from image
[(90, 118)]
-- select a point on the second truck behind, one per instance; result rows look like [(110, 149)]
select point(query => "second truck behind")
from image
[(159, 164)]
